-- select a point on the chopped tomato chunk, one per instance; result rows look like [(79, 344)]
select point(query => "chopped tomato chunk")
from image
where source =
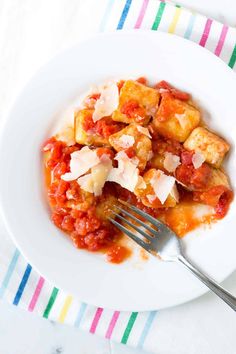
[(133, 109), (142, 80), (184, 96), (130, 152), (193, 178)]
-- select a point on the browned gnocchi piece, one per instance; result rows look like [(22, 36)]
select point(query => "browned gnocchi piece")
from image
[(175, 119), (106, 206), (218, 178), (137, 103), (83, 136), (147, 195), (210, 145), (132, 137)]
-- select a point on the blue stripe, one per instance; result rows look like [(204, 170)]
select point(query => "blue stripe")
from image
[(80, 314), (189, 29), (9, 272), (146, 328), (22, 284), (106, 15), (124, 14)]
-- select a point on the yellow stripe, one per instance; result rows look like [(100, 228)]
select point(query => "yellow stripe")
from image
[(65, 309), (175, 20)]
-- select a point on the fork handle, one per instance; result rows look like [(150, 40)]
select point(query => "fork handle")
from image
[(210, 283)]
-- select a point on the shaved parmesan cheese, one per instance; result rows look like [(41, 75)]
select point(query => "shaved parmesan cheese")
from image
[(171, 162), (151, 198), (197, 159), (174, 193), (162, 90), (150, 155), (125, 141), (81, 161), (107, 102), (86, 183), (183, 120), (121, 155), (94, 181), (162, 185), (144, 131), (126, 174), (67, 135), (99, 175), (141, 183)]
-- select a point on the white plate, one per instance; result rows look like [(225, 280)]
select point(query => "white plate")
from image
[(135, 284)]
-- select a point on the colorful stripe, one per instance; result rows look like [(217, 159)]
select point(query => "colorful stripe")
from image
[(36, 294), (206, 32), (233, 58), (159, 14), (146, 328), (175, 20), (221, 40), (112, 324), (141, 14), (80, 314), (50, 302), (22, 285), (190, 26), (129, 327), (9, 272), (96, 320), (124, 14), (106, 15), (65, 309)]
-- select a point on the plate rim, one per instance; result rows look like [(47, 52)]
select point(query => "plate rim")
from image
[(17, 98)]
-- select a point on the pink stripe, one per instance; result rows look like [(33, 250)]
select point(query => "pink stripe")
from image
[(36, 294), (221, 40), (206, 32), (141, 14), (112, 324), (96, 320)]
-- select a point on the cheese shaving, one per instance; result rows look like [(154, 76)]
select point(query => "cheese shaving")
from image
[(86, 183), (99, 175), (162, 185), (197, 159), (125, 141), (81, 161), (107, 103), (174, 193), (94, 181), (126, 174), (144, 131), (183, 120), (141, 183), (151, 198), (171, 162)]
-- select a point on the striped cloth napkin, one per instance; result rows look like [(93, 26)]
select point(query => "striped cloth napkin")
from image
[(23, 286)]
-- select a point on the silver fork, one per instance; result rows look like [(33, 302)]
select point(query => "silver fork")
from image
[(162, 241)]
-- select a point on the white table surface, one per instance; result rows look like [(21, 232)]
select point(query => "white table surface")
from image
[(32, 31)]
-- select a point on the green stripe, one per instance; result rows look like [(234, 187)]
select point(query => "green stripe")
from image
[(233, 58), (129, 327), (50, 302), (158, 16)]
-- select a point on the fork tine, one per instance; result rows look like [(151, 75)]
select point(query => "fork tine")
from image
[(150, 238), (136, 239), (161, 226), (147, 227)]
